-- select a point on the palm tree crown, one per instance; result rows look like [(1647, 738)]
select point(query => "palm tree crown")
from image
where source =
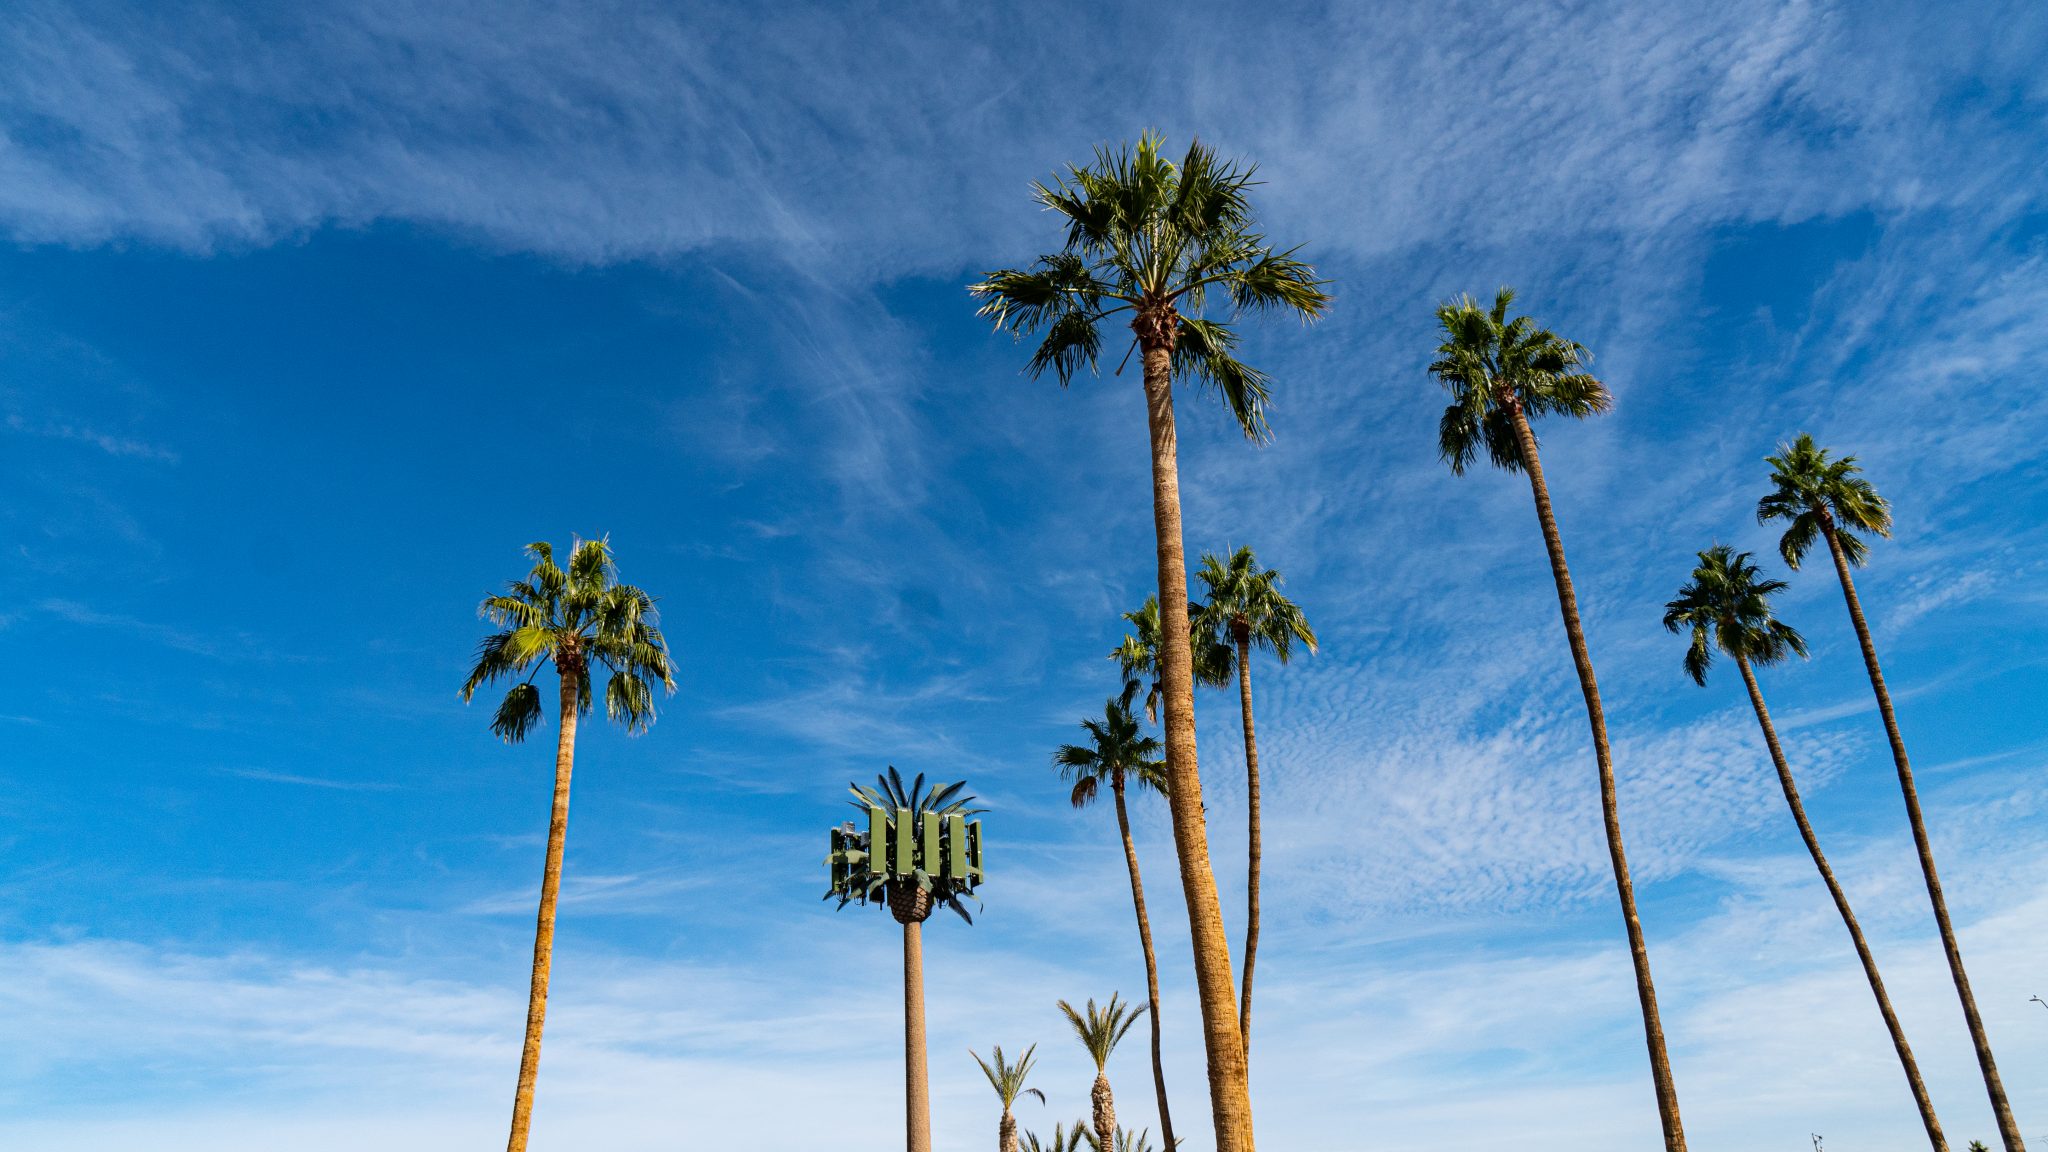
[(1152, 238), (1063, 1139), (1815, 493), (1008, 1079), (1101, 1029), (1138, 656), (1725, 601), (572, 618), (1118, 756), (1245, 605), (1490, 364)]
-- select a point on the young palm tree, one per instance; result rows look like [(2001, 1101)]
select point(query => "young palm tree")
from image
[(1100, 1030), (1245, 604), (1502, 372), (1063, 1139), (571, 619), (1008, 1081), (1159, 241), (1827, 499), (1726, 606), (1126, 1141), (1118, 756), (1137, 656)]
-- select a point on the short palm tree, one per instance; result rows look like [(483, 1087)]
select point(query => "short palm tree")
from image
[(1117, 755), (1501, 372), (1246, 608), (1157, 242), (1126, 1141), (1100, 1030), (1137, 656), (1823, 498), (1726, 606), (1008, 1081), (571, 619), (1064, 1139)]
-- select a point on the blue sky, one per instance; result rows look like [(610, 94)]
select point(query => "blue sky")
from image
[(310, 318)]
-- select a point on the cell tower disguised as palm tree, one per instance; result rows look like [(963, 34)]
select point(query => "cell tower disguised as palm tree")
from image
[(913, 851)]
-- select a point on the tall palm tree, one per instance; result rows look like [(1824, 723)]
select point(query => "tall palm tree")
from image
[(1820, 498), (1502, 372), (1100, 1030), (1118, 756), (918, 854), (1137, 656), (1726, 606), (571, 619), (1159, 241), (1008, 1081), (1246, 605)]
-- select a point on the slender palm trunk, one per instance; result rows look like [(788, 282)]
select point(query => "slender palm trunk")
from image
[(1103, 1105), (1123, 824), (1254, 853), (544, 929), (2008, 1129), (1827, 874), (1006, 1133), (917, 1102), (1639, 953), (1230, 1102)]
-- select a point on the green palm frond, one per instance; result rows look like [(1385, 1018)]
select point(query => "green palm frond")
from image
[(1811, 492), (1725, 603), (1116, 755), (1063, 1139), (1245, 603), (1137, 656), (1125, 1141), (1101, 1029), (1488, 361), (1008, 1079)]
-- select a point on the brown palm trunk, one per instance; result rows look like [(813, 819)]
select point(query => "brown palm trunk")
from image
[(1123, 824), (1104, 1107), (1230, 1101), (544, 929), (1639, 953), (2008, 1129), (1254, 853), (1827, 874), (917, 1102), (1006, 1133)]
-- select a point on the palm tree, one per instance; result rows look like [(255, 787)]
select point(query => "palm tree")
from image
[(1126, 1141), (1119, 756), (1137, 656), (1100, 1030), (1245, 604), (1828, 499), (1063, 1139), (1727, 607), (1501, 372), (917, 854), (572, 620), (1008, 1081), (1157, 240)]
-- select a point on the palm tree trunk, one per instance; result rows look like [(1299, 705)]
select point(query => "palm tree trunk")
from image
[(1123, 824), (1006, 1133), (917, 1103), (1827, 874), (1254, 853), (1230, 1102), (1103, 1106), (1639, 953), (544, 929), (2008, 1129)]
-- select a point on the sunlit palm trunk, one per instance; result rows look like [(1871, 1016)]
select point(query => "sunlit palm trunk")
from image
[(1254, 853), (1123, 824), (1102, 1105), (2008, 1129), (1639, 953), (1827, 874), (1006, 1133), (1229, 1091), (917, 1103), (544, 929)]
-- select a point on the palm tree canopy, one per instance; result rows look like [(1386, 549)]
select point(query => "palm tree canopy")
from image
[(1153, 238), (1101, 1029), (864, 883), (1126, 1141), (1245, 605), (1063, 1139), (1486, 362), (1116, 754), (1008, 1079), (572, 618), (1725, 601), (1138, 656), (1809, 489)]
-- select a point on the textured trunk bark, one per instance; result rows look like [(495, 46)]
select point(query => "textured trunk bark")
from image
[(544, 928), (1230, 1101), (1639, 953), (1254, 854), (2008, 1128), (1006, 1133), (1123, 824), (1104, 1109), (1827, 874), (917, 1103)]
